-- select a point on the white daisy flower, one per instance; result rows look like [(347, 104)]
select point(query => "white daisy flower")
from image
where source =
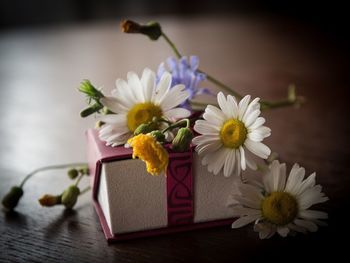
[(279, 204), (227, 133), (137, 101)]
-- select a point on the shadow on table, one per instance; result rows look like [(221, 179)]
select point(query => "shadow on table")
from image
[(14, 218), (69, 218)]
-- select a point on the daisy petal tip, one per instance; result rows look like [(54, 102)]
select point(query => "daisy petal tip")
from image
[(220, 94)]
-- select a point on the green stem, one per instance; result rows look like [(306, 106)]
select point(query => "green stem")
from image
[(85, 190), (172, 45), (265, 104), (209, 77), (166, 121), (177, 124), (222, 85), (276, 104), (79, 179), (50, 167)]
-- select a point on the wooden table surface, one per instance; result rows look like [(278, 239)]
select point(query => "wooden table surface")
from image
[(40, 70)]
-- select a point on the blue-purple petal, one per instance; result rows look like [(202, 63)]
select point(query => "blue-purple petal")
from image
[(185, 71), (194, 62)]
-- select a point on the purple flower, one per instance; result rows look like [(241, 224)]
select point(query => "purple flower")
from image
[(184, 71)]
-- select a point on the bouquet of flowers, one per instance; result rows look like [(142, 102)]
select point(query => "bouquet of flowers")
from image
[(157, 109)]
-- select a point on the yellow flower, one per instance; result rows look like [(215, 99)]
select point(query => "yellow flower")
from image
[(146, 148)]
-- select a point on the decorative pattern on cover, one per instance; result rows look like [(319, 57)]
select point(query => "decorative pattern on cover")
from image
[(180, 189)]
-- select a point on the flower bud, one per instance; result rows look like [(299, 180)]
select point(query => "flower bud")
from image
[(50, 200), (84, 170), (87, 88), (90, 110), (182, 140), (151, 29), (145, 128), (129, 26), (12, 198), (73, 173), (158, 135), (70, 196)]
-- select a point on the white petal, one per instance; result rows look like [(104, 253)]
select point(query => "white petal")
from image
[(245, 220), (124, 92), (243, 105), (243, 162), (295, 179), (313, 214), (218, 160), (258, 122), (207, 148), (263, 130), (113, 118), (310, 226), (209, 155), (106, 128), (214, 115), (221, 160), (117, 136), (239, 211), (177, 113), (251, 118), (148, 81), (224, 105), (283, 231), (176, 96), (306, 184), (238, 161), (205, 127), (248, 202), (258, 148), (312, 196), (230, 163), (265, 230), (254, 105), (255, 137), (113, 104), (259, 134), (118, 139), (279, 176), (135, 86), (162, 87), (204, 139), (233, 106), (121, 99)]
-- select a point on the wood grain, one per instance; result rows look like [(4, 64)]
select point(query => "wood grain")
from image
[(39, 125)]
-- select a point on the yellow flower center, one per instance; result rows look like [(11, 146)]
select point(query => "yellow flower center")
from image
[(146, 148), (233, 133), (279, 208), (142, 113)]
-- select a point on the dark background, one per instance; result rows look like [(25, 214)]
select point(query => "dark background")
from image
[(329, 17), (304, 42)]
